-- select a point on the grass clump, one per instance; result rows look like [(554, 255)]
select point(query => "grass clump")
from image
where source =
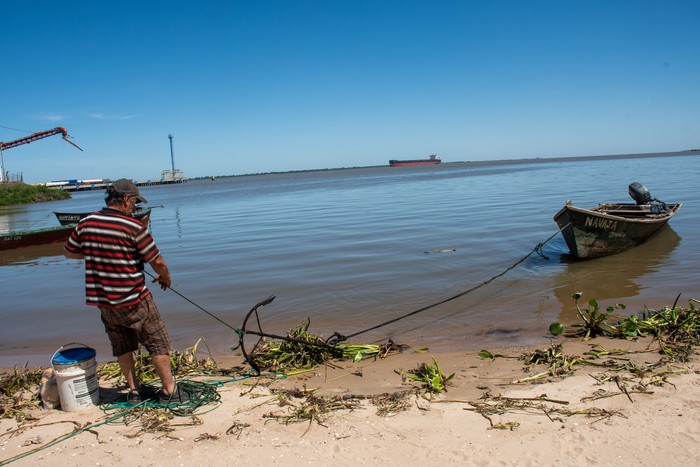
[(21, 193)]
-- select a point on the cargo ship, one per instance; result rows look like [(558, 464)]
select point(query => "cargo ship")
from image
[(432, 160)]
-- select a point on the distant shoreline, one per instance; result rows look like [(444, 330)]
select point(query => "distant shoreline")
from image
[(486, 163), (690, 152)]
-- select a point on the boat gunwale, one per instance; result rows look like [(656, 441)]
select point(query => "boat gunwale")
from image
[(138, 215), (13, 233), (673, 209)]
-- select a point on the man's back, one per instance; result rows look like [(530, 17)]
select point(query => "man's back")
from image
[(115, 248)]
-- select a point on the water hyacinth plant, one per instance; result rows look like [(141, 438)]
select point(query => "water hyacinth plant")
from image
[(674, 324), (432, 377), (302, 350), (593, 320)]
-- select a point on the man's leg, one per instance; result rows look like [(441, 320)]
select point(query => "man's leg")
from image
[(126, 363), (162, 365)]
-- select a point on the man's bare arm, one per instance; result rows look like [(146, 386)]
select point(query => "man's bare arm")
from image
[(159, 266), (70, 255)]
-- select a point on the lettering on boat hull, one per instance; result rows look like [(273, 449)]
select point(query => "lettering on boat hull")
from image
[(600, 223)]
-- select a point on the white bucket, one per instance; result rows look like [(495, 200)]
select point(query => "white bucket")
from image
[(76, 376)]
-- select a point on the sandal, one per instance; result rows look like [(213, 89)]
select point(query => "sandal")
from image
[(134, 397), (176, 398)]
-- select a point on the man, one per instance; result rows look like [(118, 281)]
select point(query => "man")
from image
[(116, 247)]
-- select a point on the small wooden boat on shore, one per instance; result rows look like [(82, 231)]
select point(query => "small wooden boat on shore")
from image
[(18, 239), (22, 238), (432, 160), (611, 228), (72, 218)]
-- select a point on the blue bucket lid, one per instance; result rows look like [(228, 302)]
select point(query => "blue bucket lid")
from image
[(73, 356)]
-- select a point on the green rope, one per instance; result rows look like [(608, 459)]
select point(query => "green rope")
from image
[(200, 394), (62, 438)]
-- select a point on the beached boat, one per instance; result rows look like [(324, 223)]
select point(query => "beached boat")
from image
[(432, 160), (611, 228), (22, 238), (72, 218)]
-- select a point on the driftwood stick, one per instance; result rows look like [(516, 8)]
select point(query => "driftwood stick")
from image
[(538, 398)]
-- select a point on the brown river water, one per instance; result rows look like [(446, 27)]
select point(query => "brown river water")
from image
[(353, 248)]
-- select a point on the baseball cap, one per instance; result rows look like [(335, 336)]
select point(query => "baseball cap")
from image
[(127, 187)]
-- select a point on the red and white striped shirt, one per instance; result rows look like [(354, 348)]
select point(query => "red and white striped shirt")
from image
[(116, 248)]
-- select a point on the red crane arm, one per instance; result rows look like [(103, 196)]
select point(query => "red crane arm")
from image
[(38, 136)]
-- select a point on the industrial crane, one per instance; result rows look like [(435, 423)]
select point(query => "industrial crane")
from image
[(28, 139)]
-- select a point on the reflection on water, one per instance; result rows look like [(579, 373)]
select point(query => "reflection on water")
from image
[(31, 255), (178, 223), (612, 277)]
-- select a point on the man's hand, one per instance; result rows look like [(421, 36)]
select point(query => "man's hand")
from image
[(164, 282), (159, 266)]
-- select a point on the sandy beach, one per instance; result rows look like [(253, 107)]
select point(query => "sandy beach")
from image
[(366, 413)]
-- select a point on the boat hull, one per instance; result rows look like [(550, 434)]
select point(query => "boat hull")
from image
[(19, 239), (72, 218), (69, 218), (397, 163), (11, 240), (608, 229)]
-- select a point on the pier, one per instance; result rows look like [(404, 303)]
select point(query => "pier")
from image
[(159, 182), (168, 177)]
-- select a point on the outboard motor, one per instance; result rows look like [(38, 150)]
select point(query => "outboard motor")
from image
[(639, 193)]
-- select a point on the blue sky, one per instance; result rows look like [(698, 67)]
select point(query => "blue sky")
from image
[(261, 86)]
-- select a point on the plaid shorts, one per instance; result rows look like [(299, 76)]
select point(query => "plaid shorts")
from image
[(127, 327)]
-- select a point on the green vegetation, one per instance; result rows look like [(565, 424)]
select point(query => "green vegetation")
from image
[(302, 351), (593, 320), (675, 329), (21, 193), (432, 377), (672, 326), (186, 363)]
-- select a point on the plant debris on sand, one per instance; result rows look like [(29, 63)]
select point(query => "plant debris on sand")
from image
[(185, 363), (672, 332), (18, 393), (304, 405), (675, 330), (301, 350), (674, 327), (433, 379)]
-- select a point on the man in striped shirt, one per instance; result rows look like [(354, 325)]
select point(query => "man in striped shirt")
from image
[(116, 247)]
